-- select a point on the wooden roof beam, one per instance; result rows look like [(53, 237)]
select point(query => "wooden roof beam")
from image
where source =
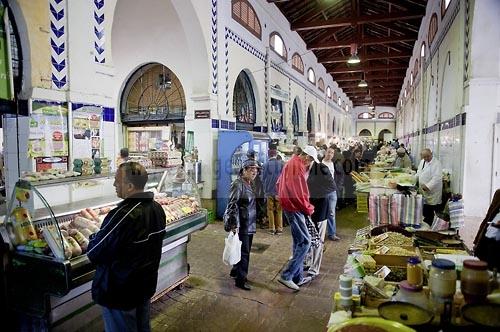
[(365, 41), (351, 21), (369, 78), (380, 56), (344, 70)]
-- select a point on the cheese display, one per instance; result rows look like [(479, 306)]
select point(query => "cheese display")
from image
[(177, 207)]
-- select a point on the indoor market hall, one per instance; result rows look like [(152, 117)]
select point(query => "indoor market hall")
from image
[(250, 165)]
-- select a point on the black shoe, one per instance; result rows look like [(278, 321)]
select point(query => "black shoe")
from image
[(243, 285), (232, 274)]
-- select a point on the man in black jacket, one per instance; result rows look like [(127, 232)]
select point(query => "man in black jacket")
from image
[(320, 183), (126, 252)]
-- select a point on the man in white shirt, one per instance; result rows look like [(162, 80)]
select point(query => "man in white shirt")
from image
[(430, 179)]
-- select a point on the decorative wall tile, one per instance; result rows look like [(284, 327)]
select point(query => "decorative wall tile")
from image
[(215, 123), (99, 36), (58, 44), (214, 47)]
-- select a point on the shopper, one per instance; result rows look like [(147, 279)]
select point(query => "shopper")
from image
[(487, 241), (430, 179), (402, 160), (258, 187), (123, 157), (241, 217), (332, 196), (348, 167), (321, 185), (270, 174), (293, 195), (126, 253)]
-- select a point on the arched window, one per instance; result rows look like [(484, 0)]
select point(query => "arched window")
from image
[(339, 101), (295, 118), (153, 93), (297, 63), (347, 108), (386, 115), (422, 50), (309, 120), (334, 97), (321, 85), (416, 68), (433, 27), (244, 14), (365, 115), (333, 126), (277, 45), (444, 6), (365, 132), (329, 92), (411, 78), (244, 108), (10, 32), (405, 93), (311, 76)]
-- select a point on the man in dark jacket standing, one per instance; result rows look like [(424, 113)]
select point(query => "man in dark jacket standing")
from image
[(126, 252), (270, 174), (321, 184)]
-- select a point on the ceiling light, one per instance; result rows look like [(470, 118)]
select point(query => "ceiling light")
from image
[(371, 107), (362, 84), (354, 59)]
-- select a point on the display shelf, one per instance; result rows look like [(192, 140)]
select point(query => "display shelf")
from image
[(75, 207)]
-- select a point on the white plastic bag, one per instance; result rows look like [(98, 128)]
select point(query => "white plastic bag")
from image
[(232, 249)]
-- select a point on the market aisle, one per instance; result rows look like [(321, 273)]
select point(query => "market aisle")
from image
[(209, 300)]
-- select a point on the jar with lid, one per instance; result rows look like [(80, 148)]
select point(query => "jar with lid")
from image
[(474, 281), (411, 294), (414, 272), (442, 278)]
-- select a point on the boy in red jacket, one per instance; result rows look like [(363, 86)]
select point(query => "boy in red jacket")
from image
[(293, 195)]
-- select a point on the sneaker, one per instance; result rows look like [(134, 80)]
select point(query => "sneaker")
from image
[(288, 283), (279, 232), (304, 281), (333, 238), (271, 232)]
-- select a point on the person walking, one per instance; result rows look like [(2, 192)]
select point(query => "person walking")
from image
[(270, 174), (126, 253), (241, 217), (293, 195), (321, 185), (430, 180), (332, 196)]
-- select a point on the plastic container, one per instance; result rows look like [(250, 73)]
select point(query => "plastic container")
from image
[(345, 281), (414, 272), (474, 281), (411, 294), (442, 278)]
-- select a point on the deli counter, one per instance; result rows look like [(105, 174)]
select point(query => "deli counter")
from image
[(48, 275)]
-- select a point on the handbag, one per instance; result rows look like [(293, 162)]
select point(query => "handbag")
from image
[(232, 249)]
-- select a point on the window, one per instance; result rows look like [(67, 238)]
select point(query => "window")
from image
[(297, 63), (386, 115), (416, 68), (277, 45), (405, 93), (411, 78), (433, 27), (365, 115), (244, 14), (329, 92), (244, 108), (347, 108), (422, 50), (295, 118), (311, 77), (334, 97), (321, 85), (444, 6), (339, 101)]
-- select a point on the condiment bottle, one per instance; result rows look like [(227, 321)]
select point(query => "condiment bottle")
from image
[(474, 281), (442, 284), (414, 272)]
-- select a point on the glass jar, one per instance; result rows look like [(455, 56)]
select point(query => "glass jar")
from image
[(474, 281), (414, 272), (411, 294), (442, 278)]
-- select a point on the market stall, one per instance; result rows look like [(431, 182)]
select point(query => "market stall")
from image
[(398, 279), (49, 222)]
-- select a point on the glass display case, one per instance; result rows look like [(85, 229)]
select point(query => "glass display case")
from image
[(47, 229)]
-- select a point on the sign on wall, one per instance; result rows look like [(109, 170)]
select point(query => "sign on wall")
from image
[(87, 127)]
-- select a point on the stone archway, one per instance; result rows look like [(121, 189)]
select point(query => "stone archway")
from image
[(382, 133), (365, 132)]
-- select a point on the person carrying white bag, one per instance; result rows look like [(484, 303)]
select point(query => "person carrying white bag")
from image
[(240, 219)]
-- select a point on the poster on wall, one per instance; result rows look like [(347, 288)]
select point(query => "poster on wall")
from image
[(87, 128), (48, 132)]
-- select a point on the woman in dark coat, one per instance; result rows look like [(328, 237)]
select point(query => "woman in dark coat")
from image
[(486, 244), (241, 217)]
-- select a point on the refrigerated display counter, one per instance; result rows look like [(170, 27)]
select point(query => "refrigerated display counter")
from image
[(49, 284)]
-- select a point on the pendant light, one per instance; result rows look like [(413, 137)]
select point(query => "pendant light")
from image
[(354, 58), (362, 83)]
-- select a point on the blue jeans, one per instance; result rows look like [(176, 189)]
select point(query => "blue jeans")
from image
[(301, 243), (331, 227), (136, 319)]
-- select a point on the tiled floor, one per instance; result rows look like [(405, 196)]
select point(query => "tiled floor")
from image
[(209, 301)]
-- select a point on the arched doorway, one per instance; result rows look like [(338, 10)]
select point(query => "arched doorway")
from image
[(295, 118), (153, 107), (365, 132), (382, 135), (244, 107)]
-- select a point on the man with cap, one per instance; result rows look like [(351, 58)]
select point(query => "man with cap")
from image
[(241, 217), (293, 195), (270, 174), (402, 160), (259, 191)]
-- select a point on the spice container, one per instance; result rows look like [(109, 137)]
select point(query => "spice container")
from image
[(414, 272), (442, 278), (411, 294), (474, 281)]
